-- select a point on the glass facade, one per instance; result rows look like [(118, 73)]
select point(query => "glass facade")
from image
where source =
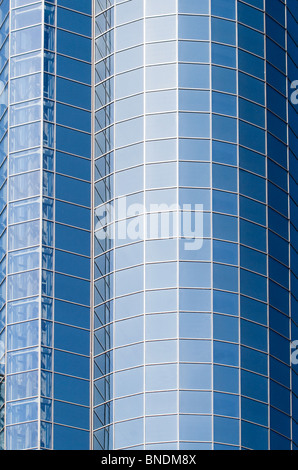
[(148, 224), (4, 55), (46, 220)]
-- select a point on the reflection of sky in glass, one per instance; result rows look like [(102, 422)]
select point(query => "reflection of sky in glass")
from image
[(184, 339)]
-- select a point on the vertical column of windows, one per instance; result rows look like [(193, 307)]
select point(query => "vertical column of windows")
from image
[(103, 228), (161, 238), (72, 215), (24, 190), (278, 235), (292, 73), (225, 207), (47, 261), (128, 327), (195, 274), (253, 221), (4, 73)]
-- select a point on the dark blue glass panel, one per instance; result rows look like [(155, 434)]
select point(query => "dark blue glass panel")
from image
[(72, 289), (73, 117), (70, 165), (72, 314), (72, 141), (85, 7), (254, 437), (72, 364), (71, 389), (72, 239), (70, 20), (66, 438), (73, 93), (74, 69), (73, 190)]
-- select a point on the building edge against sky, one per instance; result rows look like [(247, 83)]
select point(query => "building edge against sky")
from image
[(119, 120)]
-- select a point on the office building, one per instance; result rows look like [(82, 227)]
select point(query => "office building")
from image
[(148, 224)]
